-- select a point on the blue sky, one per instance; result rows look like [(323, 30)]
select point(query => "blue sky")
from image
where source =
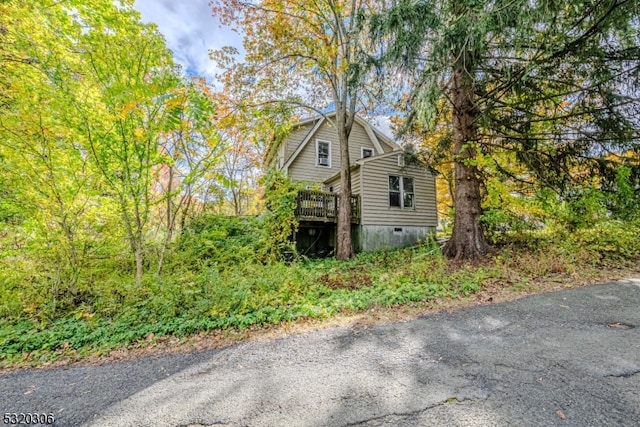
[(190, 31)]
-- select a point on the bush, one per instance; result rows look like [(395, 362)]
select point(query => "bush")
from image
[(221, 277), (502, 225), (280, 219), (612, 240), (222, 240), (624, 202)]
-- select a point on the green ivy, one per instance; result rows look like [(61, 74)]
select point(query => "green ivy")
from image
[(280, 219)]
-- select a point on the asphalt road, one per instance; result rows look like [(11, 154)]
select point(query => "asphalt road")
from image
[(569, 358)]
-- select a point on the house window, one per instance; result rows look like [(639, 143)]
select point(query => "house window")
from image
[(401, 193), (366, 152), (323, 153)]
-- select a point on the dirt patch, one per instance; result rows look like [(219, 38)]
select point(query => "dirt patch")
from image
[(354, 278)]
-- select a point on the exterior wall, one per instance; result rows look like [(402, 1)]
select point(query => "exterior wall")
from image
[(355, 183), (382, 237), (385, 146), (294, 139), (304, 166), (375, 194)]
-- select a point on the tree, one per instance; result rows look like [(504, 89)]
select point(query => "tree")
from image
[(556, 83), (93, 111), (130, 73), (239, 168), (48, 174), (190, 147), (115, 89), (307, 55)]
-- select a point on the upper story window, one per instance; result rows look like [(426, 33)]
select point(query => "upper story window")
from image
[(401, 194), (366, 152), (323, 153)]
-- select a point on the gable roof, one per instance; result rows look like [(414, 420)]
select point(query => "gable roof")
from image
[(300, 147), (374, 134)]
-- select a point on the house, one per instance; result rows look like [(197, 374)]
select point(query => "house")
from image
[(394, 195)]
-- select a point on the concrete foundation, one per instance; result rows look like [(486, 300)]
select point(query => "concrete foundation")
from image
[(318, 240), (382, 237)]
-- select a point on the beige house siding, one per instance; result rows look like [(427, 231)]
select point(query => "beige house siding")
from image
[(335, 183), (375, 202), (295, 138), (355, 182), (304, 168), (386, 146)]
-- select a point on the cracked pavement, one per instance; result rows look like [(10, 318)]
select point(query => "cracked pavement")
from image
[(568, 358)]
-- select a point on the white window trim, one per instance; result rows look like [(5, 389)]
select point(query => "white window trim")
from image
[(402, 192), (401, 161), (318, 141), (373, 152)]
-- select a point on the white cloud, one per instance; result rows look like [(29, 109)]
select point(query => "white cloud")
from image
[(190, 31), (383, 124)]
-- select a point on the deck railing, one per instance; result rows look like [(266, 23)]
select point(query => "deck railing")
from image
[(315, 205)]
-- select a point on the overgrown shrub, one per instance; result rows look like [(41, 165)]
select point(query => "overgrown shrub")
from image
[(222, 240), (502, 225), (226, 240), (612, 240), (280, 219), (624, 199)]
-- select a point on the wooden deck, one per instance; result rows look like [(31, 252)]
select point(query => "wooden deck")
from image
[(323, 207)]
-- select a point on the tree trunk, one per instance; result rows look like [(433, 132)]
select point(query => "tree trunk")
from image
[(135, 238), (166, 242), (467, 240), (139, 262), (185, 212), (345, 246), (170, 223)]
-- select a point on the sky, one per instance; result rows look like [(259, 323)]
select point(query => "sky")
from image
[(190, 31)]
